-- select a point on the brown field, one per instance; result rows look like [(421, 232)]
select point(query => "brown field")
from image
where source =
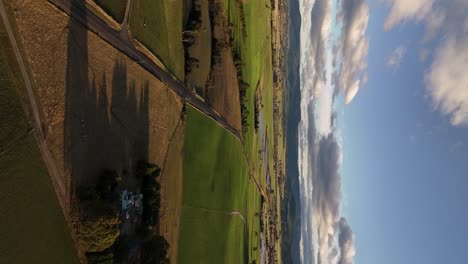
[(222, 91), (201, 50), (171, 191), (100, 109)]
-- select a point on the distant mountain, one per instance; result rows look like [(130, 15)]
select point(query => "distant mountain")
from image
[(292, 207)]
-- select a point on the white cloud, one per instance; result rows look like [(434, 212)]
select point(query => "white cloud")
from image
[(354, 46), (394, 60), (403, 10), (447, 80)]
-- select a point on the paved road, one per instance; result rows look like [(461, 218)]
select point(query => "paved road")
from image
[(36, 122), (82, 15)]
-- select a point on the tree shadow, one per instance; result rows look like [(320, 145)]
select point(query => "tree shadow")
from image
[(105, 128)]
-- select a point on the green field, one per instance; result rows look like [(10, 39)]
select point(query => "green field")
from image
[(33, 228), (255, 50), (115, 8), (158, 25), (216, 182)]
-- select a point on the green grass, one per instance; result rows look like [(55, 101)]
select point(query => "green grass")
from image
[(216, 182), (162, 34), (255, 51), (115, 8), (33, 228)]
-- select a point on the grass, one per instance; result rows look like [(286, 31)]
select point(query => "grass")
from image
[(216, 182), (158, 25), (115, 8), (33, 227)]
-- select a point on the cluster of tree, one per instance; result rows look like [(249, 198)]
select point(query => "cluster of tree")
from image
[(150, 189), (188, 36), (193, 25), (153, 246), (103, 257), (240, 10), (98, 225), (191, 63), (258, 107), (243, 87), (154, 250)]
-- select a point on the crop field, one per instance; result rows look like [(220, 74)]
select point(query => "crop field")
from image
[(115, 8), (216, 188), (33, 228), (158, 25)]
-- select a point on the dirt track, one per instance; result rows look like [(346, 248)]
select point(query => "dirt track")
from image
[(37, 124)]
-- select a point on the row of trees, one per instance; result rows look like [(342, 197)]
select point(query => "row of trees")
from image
[(153, 246)]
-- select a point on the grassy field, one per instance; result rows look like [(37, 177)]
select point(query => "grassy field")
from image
[(115, 8), (33, 228), (216, 183), (158, 25)]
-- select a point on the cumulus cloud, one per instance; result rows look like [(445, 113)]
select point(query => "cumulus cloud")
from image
[(346, 243), (403, 10), (330, 65), (394, 60), (446, 80), (353, 46)]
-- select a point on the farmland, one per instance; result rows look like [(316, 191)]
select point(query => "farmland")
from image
[(158, 25), (216, 186), (26, 191), (115, 8)]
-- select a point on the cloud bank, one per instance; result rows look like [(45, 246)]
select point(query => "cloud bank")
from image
[(331, 64), (446, 79)]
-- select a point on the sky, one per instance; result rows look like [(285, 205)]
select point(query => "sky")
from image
[(383, 137)]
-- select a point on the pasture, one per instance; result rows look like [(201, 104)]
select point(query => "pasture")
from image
[(115, 8), (33, 228), (216, 189), (158, 25)]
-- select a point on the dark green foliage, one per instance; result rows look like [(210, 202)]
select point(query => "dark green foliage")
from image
[(154, 250), (190, 63), (104, 257), (99, 221), (151, 199)]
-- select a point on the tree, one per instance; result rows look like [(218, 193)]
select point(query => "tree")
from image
[(99, 232)]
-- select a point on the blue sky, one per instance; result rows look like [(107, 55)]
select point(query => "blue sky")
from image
[(405, 165), (384, 178)]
